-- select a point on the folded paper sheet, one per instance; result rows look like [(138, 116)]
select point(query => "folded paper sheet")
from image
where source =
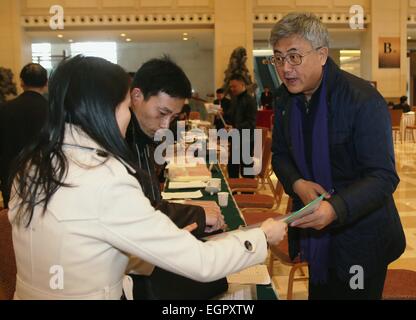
[(181, 195)]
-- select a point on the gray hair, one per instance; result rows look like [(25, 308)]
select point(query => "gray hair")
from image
[(306, 25)]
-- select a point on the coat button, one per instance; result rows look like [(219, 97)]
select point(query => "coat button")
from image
[(248, 245)]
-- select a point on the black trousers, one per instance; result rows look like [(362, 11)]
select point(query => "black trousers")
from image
[(338, 289), (235, 169)]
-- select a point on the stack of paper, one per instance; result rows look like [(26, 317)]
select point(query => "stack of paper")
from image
[(181, 195), (198, 172), (187, 185)]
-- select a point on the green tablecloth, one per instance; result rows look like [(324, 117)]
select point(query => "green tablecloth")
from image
[(233, 219)]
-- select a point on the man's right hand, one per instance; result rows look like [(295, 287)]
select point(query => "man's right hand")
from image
[(307, 190)]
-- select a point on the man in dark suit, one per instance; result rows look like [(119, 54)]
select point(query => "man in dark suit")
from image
[(332, 132), (21, 120), (267, 99), (244, 115), (403, 105)]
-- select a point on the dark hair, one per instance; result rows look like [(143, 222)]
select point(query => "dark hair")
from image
[(238, 77), (162, 75), (220, 91), (403, 99), (84, 91), (34, 75)]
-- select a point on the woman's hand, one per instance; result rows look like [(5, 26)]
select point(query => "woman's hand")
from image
[(275, 230)]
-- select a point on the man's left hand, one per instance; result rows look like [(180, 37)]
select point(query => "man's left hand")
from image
[(323, 216)]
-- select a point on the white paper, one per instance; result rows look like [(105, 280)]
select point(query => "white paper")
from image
[(254, 275), (181, 195), (187, 185), (238, 292)]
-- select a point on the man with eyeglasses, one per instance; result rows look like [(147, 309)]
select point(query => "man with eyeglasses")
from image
[(332, 132)]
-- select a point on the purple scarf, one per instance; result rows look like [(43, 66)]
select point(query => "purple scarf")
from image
[(314, 245)]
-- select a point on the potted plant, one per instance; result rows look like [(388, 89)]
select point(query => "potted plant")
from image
[(7, 86)]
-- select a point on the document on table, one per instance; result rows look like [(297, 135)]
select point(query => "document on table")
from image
[(182, 195), (238, 292), (187, 185), (254, 275)]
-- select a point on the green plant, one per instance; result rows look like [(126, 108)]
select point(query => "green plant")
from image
[(7, 86)]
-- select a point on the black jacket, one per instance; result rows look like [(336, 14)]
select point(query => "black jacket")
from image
[(244, 111), (143, 149), (20, 122), (226, 107), (368, 231)]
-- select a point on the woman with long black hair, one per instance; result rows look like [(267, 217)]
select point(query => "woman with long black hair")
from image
[(76, 212)]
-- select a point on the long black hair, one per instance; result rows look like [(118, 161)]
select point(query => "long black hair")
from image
[(83, 91)]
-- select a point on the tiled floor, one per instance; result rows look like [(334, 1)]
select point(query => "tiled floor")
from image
[(405, 197)]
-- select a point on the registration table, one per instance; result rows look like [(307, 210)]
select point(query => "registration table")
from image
[(233, 219)]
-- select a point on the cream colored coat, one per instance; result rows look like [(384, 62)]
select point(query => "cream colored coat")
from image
[(80, 248)]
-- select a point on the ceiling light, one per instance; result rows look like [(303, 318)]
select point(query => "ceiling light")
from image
[(60, 36), (185, 33), (409, 38), (70, 40), (128, 40), (185, 39), (123, 35)]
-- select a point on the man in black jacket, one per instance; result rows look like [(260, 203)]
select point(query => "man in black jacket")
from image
[(158, 93), (21, 120), (332, 132), (243, 117)]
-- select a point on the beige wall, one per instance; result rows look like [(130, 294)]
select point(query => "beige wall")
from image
[(388, 19), (233, 28), (233, 22)]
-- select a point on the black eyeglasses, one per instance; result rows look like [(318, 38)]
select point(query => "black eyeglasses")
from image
[(293, 58)]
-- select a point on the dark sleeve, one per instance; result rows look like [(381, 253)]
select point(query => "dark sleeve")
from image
[(282, 162), (249, 118), (183, 215), (374, 153)]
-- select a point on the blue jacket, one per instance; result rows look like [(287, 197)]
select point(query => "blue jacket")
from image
[(368, 231)]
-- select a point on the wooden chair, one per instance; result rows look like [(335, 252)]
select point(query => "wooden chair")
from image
[(412, 128), (7, 259), (194, 115), (400, 285), (396, 119)]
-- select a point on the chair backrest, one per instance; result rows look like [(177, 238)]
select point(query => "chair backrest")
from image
[(7, 259), (266, 157), (194, 115), (396, 117)]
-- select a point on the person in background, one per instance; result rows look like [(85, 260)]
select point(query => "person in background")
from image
[(244, 116), (21, 120), (225, 104), (403, 105), (267, 99), (332, 132), (75, 203)]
